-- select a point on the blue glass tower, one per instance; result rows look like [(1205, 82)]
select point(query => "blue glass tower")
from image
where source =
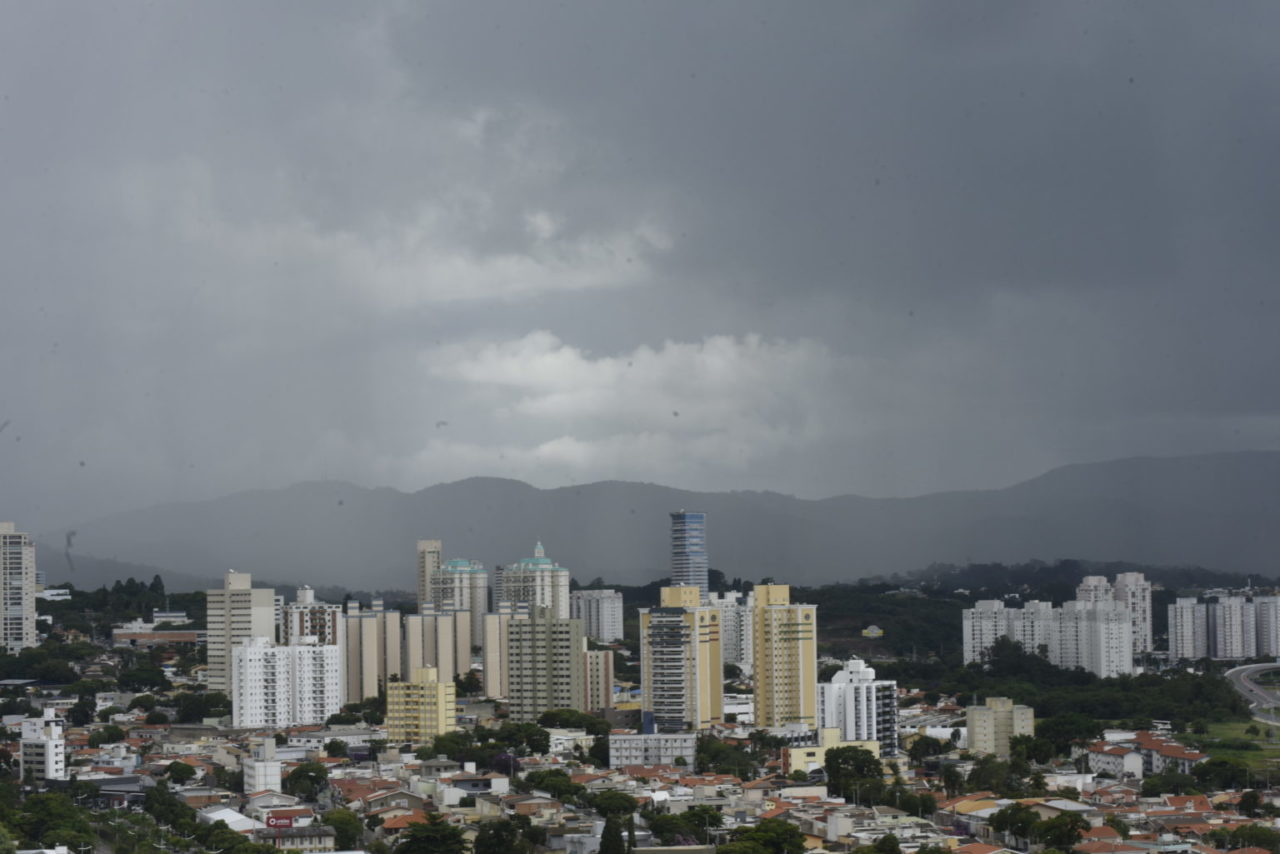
[(689, 549)]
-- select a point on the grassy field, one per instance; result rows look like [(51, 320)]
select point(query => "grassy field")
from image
[(1267, 757)]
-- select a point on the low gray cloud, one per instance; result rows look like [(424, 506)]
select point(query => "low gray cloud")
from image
[(877, 248)]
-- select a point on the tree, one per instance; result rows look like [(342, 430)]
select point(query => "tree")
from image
[(1250, 803), (1062, 831), (952, 780), (146, 702), (335, 747), (306, 780), (109, 734), (926, 746), (1067, 729), (497, 837), (154, 718), (433, 836), (1016, 819), (348, 827), (887, 844), (81, 714), (741, 847), (180, 772), (1117, 824), (774, 835), (849, 766), (613, 803), (611, 841)]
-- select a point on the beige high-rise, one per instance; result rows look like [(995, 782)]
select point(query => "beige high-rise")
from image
[(17, 590), (430, 557), (991, 726), (599, 679), (545, 669), (440, 639), (785, 638), (236, 612), (681, 665), (373, 654), (496, 641)]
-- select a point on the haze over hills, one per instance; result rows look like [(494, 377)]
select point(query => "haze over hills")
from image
[(1220, 511)]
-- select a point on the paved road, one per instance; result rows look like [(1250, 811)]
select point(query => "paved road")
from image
[(1262, 701)]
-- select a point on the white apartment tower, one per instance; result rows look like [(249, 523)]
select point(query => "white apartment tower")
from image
[(262, 770), (600, 612), (1188, 630), (282, 686), (462, 585), (862, 707), (736, 622), (17, 590), (538, 582), (1232, 628), (1096, 634), (1132, 590), (43, 749), (237, 612)]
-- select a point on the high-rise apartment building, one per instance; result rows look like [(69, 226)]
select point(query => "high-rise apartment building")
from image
[(600, 612), (236, 612), (373, 652), (17, 590), (497, 668), (689, 550), (282, 686), (862, 707), (43, 749), (440, 639), (430, 558), (1188, 630), (463, 585), (1233, 629), (1266, 610), (1132, 590), (736, 619), (598, 684), (421, 708), (991, 726), (306, 618), (785, 658), (537, 581), (681, 668), (545, 669)]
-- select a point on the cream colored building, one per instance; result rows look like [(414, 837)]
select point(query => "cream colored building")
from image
[(785, 639), (373, 653), (545, 669), (681, 668), (17, 590), (440, 639), (236, 612), (430, 558), (991, 726), (495, 663), (421, 708), (537, 581), (814, 756), (599, 679)]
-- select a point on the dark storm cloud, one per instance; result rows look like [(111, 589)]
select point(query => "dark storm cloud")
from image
[(878, 248)]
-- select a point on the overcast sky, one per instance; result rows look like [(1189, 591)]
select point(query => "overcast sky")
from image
[(878, 248)]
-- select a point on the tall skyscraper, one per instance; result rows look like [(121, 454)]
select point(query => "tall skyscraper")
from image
[(736, 612), (1233, 631), (280, 686), (421, 708), (600, 612), (681, 668), (545, 665), (537, 581), (439, 639), (689, 550), (236, 612), (430, 557), (862, 707), (599, 680), (1096, 634), (17, 590), (1188, 630), (785, 659)]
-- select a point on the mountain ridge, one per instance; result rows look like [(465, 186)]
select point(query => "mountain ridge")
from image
[(1214, 510)]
